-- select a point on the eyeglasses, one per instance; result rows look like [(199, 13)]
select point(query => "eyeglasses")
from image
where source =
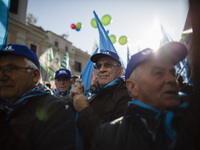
[(11, 69), (106, 65)]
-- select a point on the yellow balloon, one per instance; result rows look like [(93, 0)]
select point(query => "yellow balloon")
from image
[(123, 40), (112, 38), (105, 20), (93, 23)]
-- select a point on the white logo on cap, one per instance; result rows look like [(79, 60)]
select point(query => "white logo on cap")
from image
[(9, 48), (147, 51), (106, 52), (62, 72)]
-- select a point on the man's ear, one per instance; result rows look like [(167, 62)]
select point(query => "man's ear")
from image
[(36, 75), (132, 87)]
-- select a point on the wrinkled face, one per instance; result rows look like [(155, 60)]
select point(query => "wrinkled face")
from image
[(156, 84), (108, 73), (15, 82), (63, 83)]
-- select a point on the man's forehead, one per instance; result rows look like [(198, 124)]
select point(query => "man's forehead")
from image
[(63, 77), (158, 63), (12, 59)]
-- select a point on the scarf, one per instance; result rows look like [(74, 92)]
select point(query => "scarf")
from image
[(8, 106), (103, 87), (63, 94), (150, 113)]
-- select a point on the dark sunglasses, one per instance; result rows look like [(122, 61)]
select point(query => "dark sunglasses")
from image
[(106, 65)]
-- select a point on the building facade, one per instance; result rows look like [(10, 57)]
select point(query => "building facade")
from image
[(38, 40)]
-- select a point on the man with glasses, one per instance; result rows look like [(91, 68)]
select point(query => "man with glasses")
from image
[(30, 117), (109, 102)]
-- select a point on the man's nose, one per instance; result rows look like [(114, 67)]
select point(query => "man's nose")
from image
[(170, 78), (102, 68), (3, 76)]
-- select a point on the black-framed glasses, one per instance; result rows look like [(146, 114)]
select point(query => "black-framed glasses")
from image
[(11, 69), (106, 65)]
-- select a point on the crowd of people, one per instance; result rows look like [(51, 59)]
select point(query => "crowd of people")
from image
[(142, 111), (148, 110)]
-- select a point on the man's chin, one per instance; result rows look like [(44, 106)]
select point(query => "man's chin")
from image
[(172, 103), (103, 83)]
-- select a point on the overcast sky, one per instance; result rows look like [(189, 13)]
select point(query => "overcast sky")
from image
[(139, 20)]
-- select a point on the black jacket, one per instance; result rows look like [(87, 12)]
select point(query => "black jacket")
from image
[(108, 105), (131, 133), (43, 122)]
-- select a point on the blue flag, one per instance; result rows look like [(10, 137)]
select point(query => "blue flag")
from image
[(4, 11), (86, 76), (165, 36), (104, 40)]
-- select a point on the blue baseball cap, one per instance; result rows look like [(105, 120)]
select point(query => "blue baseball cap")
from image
[(175, 51), (105, 53), (63, 72), (23, 51)]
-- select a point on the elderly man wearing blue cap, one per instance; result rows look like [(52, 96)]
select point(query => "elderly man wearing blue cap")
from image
[(30, 117), (63, 84), (111, 96), (109, 102), (155, 119)]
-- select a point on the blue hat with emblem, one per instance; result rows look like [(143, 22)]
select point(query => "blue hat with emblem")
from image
[(105, 53), (63, 72), (106, 46), (175, 51), (21, 50)]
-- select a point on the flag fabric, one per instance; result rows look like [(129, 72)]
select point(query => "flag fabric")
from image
[(46, 59), (4, 13), (65, 62), (184, 69), (86, 76), (104, 40), (55, 64), (165, 36)]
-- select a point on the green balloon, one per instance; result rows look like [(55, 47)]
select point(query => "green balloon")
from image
[(183, 38), (93, 23), (78, 25), (123, 40), (105, 20), (112, 38)]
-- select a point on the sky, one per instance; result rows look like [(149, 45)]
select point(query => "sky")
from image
[(138, 20)]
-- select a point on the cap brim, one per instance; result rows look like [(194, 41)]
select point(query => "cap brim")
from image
[(96, 57), (176, 51)]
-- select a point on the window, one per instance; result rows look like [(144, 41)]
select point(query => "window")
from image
[(14, 6), (56, 44), (66, 48), (33, 48), (77, 66)]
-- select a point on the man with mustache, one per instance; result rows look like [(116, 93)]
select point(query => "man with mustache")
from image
[(110, 100), (155, 118)]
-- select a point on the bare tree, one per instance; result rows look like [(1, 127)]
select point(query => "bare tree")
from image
[(30, 18)]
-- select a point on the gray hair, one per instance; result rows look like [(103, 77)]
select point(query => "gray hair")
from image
[(135, 75), (30, 64)]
